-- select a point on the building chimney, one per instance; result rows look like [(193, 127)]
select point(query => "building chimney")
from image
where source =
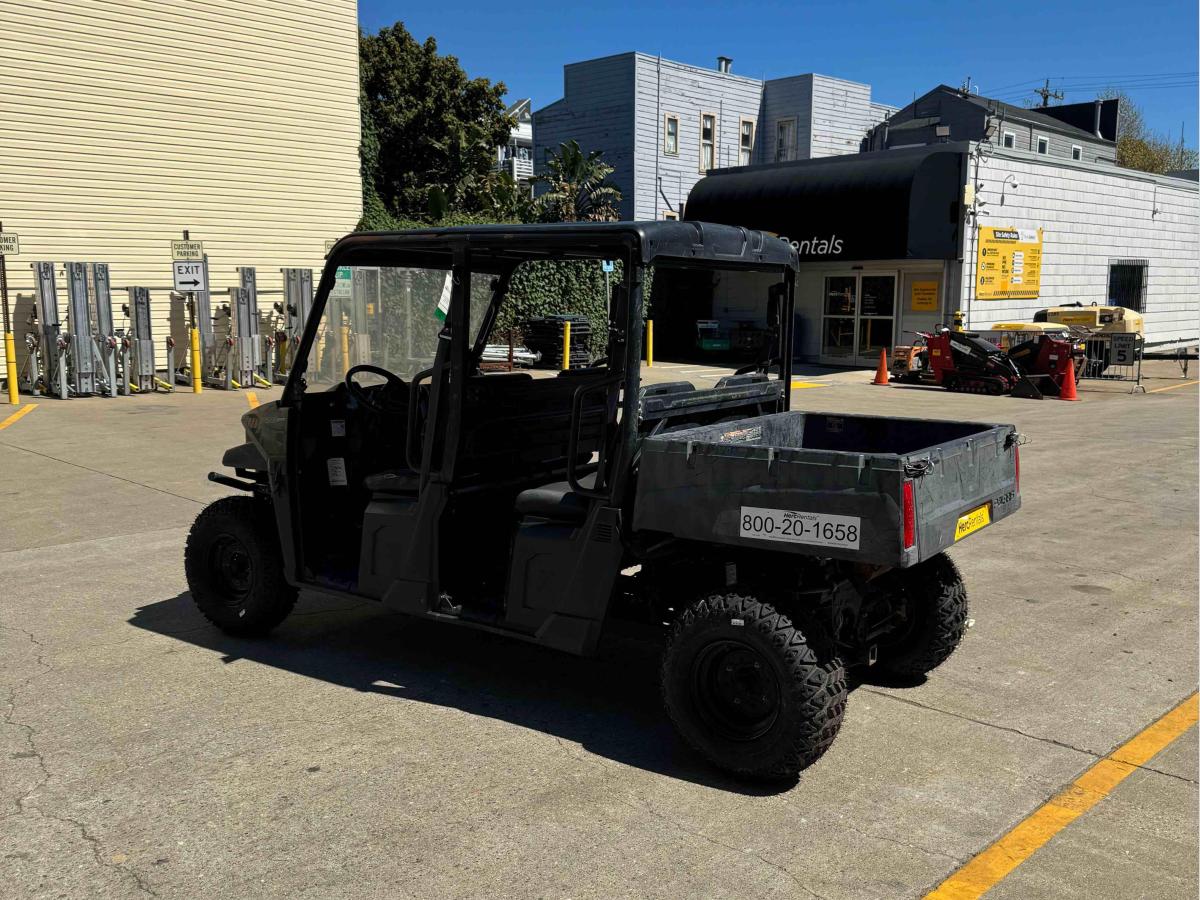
[(1096, 121), (724, 64)]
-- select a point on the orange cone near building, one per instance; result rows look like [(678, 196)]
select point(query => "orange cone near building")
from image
[(1068, 385), (881, 374)]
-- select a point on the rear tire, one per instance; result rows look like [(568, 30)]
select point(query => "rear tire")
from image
[(750, 692), (234, 567), (935, 601)]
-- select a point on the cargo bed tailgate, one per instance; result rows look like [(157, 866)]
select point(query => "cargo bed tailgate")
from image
[(878, 490)]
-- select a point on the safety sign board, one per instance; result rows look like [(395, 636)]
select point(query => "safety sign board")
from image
[(1009, 263)]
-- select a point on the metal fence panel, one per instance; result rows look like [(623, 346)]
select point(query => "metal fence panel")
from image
[(1115, 356)]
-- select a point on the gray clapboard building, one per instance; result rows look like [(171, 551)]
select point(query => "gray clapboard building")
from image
[(663, 124), (1083, 132)]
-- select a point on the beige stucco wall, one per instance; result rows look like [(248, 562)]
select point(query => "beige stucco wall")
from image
[(123, 122)]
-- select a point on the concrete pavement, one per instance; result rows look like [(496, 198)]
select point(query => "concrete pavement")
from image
[(359, 754)]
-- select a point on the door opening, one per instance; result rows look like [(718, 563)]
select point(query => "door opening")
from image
[(858, 317)]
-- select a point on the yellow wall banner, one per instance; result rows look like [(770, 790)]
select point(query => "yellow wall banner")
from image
[(1009, 263), (924, 296)]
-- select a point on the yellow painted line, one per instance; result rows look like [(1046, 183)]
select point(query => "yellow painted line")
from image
[(1172, 387), (20, 413), (252, 399), (991, 866), (798, 385)]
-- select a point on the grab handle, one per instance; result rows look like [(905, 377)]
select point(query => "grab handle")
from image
[(573, 436), (412, 439)]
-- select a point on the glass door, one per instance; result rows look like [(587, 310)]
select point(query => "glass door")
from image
[(838, 319), (876, 317), (857, 318)]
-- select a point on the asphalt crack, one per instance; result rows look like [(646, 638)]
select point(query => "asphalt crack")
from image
[(25, 804), (1013, 730), (67, 462)]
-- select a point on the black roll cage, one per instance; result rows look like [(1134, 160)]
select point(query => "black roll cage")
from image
[(499, 249)]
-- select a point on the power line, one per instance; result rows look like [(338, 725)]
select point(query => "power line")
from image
[(1046, 94), (1069, 81), (1100, 86)]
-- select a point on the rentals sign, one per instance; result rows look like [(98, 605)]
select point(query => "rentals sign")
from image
[(1008, 265)]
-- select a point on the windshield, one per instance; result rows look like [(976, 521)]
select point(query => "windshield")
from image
[(387, 317)]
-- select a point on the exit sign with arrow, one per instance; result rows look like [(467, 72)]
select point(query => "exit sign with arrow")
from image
[(190, 277)]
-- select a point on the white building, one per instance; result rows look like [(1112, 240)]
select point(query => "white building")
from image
[(889, 240), (516, 156)]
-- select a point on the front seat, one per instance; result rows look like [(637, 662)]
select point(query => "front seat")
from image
[(556, 501), (393, 481)]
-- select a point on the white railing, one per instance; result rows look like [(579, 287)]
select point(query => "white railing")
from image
[(519, 169)]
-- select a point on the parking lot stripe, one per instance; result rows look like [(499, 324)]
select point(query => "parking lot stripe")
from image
[(20, 413), (991, 866), (800, 385), (1171, 387), (252, 399)]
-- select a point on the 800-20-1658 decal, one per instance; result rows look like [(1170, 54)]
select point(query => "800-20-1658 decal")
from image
[(793, 526)]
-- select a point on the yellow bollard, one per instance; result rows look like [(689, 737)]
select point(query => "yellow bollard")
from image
[(197, 373), (958, 320), (566, 361), (10, 365), (345, 349), (649, 343)]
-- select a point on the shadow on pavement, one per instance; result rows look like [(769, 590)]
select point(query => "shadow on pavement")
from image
[(610, 704)]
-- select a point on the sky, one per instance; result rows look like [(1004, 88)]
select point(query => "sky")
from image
[(902, 49)]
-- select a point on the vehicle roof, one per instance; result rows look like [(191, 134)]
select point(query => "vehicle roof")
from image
[(499, 246)]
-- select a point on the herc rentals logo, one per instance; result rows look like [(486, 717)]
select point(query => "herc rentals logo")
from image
[(816, 246)]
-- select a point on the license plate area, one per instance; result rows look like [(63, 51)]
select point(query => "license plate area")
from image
[(969, 523), (796, 527)]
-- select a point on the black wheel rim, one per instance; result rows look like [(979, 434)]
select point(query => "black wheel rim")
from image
[(735, 690), (232, 568), (908, 615)]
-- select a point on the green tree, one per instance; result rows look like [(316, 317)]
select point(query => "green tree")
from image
[(1138, 147), (578, 187), (426, 128)]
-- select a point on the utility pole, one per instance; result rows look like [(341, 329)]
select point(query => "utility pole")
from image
[(1046, 94)]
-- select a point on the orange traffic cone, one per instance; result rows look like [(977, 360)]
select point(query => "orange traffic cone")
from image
[(881, 374), (1068, 385)]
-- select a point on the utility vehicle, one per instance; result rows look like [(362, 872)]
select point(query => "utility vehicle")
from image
[(771, 548)]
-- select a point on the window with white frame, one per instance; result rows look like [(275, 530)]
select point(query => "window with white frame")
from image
[(745, 142), (708, 142), (1076, 152), (670, 215), (1043, 144), (1010, 140), (785, 140), (671, 135)]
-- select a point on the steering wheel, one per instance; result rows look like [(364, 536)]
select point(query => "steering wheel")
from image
[(377, 401)]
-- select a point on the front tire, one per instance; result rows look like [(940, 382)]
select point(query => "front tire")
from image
[(935, 607), (234, 567), (749, 691)]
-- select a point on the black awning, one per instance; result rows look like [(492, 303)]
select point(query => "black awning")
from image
[(891, 204)]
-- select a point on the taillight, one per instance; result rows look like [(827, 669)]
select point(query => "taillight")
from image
[(909, 516), (1017, 463)]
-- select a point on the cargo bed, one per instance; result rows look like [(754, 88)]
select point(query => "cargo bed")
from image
[(829, 485)]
